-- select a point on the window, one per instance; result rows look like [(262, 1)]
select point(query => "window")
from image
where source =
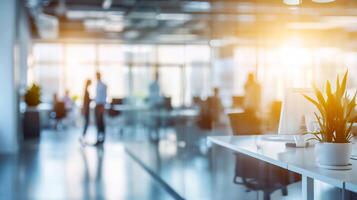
[(126, 69)]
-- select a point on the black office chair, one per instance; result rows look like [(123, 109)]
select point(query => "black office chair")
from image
[(256, 174), (115, 119), (112, 112), (167, 105)]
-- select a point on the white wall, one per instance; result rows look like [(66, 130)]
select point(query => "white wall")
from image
[(8, 70)]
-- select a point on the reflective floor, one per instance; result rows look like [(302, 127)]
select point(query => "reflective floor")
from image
[(59, 168), (182, 166)]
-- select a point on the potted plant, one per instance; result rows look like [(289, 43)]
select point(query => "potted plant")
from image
[(334, 117), (31, 128)]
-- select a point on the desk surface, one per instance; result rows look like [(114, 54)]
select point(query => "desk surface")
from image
[(299, 160)]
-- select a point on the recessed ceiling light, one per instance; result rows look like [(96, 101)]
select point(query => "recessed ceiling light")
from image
[(131, 34), (197, 6), (81, 14), (174, 16), (292, 2), (107, 4), (323, 1)]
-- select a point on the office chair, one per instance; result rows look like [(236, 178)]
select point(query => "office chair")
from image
[(255, 174), (167, 105), (59, 113), (115, 117), (237, 101)]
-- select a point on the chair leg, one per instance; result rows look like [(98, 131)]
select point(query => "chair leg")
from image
[(284, 191), (266, 195)]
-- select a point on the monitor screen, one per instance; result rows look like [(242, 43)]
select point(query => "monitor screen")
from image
[(296, 109)]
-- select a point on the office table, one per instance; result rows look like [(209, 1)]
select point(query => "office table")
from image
[(298, 160), (127, 108)]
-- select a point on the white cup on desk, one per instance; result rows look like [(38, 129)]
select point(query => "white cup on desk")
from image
[(299, 140)]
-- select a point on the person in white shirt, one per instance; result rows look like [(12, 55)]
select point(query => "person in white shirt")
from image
[(100, 101), (67, 100)]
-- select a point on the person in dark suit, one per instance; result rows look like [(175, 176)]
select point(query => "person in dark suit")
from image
[(86, 109)]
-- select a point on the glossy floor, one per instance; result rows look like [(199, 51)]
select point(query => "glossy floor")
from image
[(59, 168)]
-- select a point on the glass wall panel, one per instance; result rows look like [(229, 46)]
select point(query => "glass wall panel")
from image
[(142, 77), (171, 54), (49, 77), (171, 81), (110, 53), (48, 52), (184, 69), (80, 53), (117, 79)]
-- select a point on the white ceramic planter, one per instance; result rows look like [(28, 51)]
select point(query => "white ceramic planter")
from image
[(333, 154)]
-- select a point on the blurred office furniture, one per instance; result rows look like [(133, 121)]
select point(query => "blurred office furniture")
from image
[(115, 119), (204, 120), (167, 105), (112, 112), (31, 123), (255, 174), (196, 100), (237, 101), (215, 109), (58, 114), (210, 113), (274, 116), (294, 109), (245, 123)]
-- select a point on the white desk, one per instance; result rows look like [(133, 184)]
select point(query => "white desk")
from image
[(299, 160), (128, 108)]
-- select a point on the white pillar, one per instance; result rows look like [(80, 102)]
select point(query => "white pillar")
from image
[(8, 90)]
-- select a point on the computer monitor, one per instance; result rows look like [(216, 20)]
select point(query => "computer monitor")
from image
[(295, 109)]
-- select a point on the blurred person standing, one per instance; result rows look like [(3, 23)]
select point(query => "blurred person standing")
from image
[(54, 99), (216, 106), (252, 98), (67, 100), (86, 109), (155, 99), (100, 100)]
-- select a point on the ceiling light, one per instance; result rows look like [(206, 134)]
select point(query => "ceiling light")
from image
[(107, 4), (292, 2), (47, 26), (323, 1), (94, 24), (103, 25), (113, 27), (81, 14), (245, 7), (174, 16), (310, 25), (131, 34), (177, 37), (142, 15), (246, 18), (115, 16), (197, 6)]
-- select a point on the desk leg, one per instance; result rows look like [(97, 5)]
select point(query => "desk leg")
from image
[(345, 195), (307, 188)]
